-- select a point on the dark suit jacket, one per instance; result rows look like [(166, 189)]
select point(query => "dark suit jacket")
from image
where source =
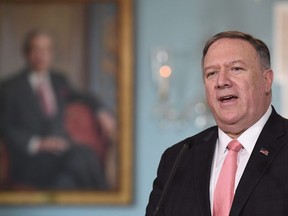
[(262, 190), (22, 118)]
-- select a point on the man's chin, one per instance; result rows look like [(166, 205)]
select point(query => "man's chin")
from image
[(41, 69), (228, 121), (228, 116)]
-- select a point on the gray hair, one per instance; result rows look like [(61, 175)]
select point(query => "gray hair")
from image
[(260, 47)]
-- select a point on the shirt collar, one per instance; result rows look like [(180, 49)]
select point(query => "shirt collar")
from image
[(35, 78), (248, 138)]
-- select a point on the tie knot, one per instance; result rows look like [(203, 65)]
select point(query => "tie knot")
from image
[(234, 145)]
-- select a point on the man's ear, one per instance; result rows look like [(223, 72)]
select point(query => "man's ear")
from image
[(268, 79)]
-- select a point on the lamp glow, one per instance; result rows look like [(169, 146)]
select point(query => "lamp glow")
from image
[(165, 71)]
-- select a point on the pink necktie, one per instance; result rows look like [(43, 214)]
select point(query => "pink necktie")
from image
[(224, 190), (47, 99)]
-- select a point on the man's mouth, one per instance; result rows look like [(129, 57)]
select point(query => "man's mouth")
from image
[(228, 98)]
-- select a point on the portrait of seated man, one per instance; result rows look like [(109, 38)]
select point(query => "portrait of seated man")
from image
[(43, 154)]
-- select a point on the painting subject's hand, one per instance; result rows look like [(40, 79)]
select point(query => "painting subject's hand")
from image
[(54, 145), (107, 122)]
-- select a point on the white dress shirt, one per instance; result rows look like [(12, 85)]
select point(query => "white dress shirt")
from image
[(36, 78), (248, 140)]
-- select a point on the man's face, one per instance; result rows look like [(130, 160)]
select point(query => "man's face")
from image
[(238, 89), (40, 54)]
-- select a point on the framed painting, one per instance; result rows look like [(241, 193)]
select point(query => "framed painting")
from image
[(281, 51), (66, 102)]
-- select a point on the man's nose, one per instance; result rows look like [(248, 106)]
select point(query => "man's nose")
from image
[(223, 80)]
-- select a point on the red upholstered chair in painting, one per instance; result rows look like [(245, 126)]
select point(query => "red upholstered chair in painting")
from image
[(4, 165), (82, 126)]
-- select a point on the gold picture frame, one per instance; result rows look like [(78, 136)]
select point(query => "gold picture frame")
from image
[(123, 193)]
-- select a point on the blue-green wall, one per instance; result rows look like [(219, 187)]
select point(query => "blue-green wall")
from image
[(180, 25)]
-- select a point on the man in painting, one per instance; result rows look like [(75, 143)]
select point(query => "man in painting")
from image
[(42, 154)]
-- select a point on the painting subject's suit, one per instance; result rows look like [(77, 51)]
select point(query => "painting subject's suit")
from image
[(22, 118), (263, 187)]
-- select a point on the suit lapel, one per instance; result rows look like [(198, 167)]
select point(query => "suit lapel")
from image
[(60, 92), (203, 157), (259, 162), (31, 98)]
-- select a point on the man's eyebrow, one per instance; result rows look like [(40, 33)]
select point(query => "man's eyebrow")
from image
[(226, 64), (211, 67), (236, 62)]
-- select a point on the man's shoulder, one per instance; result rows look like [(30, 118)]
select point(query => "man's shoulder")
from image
[(58, 73), (276, 122), (282, 118), (59, 76), (196, 139), (14, 80)]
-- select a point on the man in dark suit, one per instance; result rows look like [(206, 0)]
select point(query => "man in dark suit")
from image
[(240, 166), (42, 155)]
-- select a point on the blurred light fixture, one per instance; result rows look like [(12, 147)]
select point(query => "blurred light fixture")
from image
[(167, 110)]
